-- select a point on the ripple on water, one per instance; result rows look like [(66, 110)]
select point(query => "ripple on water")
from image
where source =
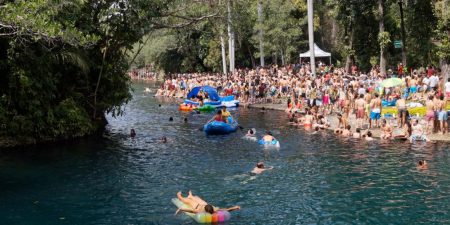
[(317, 179)]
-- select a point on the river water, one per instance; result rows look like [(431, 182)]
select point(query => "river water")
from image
[(317, 178)]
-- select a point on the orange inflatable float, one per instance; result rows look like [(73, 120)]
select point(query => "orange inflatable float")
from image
[(187, 107)]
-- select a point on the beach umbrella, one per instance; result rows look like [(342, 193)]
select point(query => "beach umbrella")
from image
[(391, 82)]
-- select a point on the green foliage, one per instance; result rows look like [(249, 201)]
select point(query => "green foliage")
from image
[(63, 63), (384, 39)]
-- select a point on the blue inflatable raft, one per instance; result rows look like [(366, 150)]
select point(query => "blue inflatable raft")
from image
[(219, 128)]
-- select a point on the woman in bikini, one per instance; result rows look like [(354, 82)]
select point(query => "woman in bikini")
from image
[(198, 205)]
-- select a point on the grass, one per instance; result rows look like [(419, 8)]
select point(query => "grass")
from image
[(412, 111)]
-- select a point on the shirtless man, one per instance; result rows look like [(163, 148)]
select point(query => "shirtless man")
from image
[(346, 110), (368, 99), (357, 134), (360, 105), (386, 129), (260, 168), (346, 132), (429, 116), (198, 205), (401, 111), (442, 114), (375, 110)]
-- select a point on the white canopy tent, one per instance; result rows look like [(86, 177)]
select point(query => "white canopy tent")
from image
[(318, 53)]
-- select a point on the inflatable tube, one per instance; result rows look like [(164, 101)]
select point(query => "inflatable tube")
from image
[(206, 108), (212, 103), (227, 98), (274, 143), (184, 107), (219, 128), (204, 217)]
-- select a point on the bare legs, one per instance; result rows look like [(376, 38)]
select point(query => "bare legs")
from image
[(191, 200)]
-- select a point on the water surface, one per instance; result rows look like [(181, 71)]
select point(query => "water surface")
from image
[(317, 179)]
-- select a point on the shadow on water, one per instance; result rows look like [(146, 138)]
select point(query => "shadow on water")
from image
[(317, 178)]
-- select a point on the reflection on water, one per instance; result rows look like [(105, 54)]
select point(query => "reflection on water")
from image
[(317, 178)]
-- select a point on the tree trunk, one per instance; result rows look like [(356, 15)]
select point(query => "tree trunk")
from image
[(333, 31), (445, 69), (224, 55), (251, 56), (282, 57), (348, 60), (230, 38), (381, 26), (402, 25), (261, 34)]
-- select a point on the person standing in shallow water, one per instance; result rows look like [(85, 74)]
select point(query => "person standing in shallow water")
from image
[(375, 113)]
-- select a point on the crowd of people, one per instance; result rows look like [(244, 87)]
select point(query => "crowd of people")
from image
[(356, 98)]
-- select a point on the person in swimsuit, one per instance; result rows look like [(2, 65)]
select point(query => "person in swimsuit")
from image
[(442, 114), (308, 120), (357, 134), (386, 129), (375, 112), (422, 164), (347, 132), (430, 115), (199, 205), (417, 132), (218, 117), (268, 137), (360, 105), (401, 111), (226, 115), (259, 168)]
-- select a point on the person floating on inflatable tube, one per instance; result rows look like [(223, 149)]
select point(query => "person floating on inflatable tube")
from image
[(218, 117), (199, 205), (226, 115), (268, 137), (260, 168)]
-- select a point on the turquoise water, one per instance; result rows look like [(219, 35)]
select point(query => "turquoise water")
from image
[(317, 178)]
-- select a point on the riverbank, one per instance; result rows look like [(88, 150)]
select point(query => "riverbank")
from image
[(352, 120)]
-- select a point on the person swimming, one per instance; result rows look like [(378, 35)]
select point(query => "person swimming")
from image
[(199, 205), (251, 132), (369, 136), (422, 164), (185, 119), (357, 134), (259, 168), (170, 118), (163, 139), (132, 133), (268, 137)]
